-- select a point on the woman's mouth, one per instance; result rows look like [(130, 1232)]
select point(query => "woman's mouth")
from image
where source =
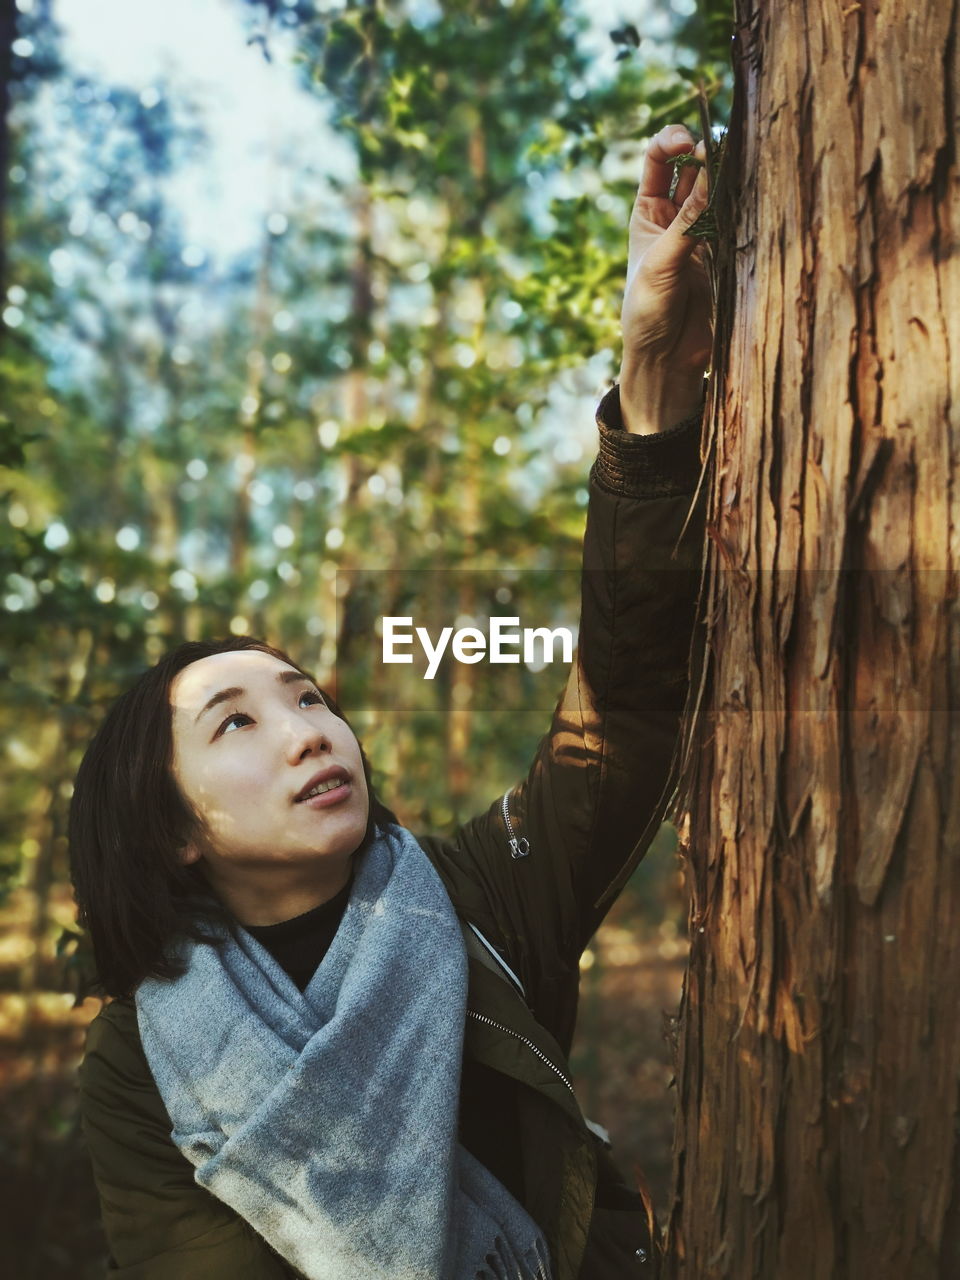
[(327, 788), (322, 788), (327, 794)]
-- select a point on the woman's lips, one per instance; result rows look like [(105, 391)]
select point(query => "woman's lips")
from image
[(334, 774), (334, 796)]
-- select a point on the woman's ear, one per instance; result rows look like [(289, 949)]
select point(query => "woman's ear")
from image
[(188, 853)]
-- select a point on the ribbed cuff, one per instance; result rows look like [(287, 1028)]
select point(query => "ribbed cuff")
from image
[(660, 465)]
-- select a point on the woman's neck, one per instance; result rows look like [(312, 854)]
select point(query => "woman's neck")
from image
[(269, 894)]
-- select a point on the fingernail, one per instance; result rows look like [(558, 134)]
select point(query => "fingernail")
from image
[(679, 132)]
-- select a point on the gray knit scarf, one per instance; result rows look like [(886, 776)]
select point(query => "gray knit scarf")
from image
[(328, 1118)]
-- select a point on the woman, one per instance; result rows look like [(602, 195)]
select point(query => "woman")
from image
[(402, 1109)]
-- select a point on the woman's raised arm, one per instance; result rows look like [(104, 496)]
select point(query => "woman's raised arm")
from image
[(596, 790)]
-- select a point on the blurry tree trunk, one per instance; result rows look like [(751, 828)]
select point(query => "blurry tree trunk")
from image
[(463, 676), (68, 653), (356, 411), (820, 1039), (463, 679), (8, 33), (251, 413)]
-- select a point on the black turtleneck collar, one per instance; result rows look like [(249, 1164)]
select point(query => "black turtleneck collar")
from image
[(298, 945)]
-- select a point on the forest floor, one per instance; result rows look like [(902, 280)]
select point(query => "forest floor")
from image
[(49, 1218)]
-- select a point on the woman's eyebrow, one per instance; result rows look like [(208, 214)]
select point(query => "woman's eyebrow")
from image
[(291, 677), (223, 696), (235, 691)]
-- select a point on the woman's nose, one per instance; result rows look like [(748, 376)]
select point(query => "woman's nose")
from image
[(306, 738)]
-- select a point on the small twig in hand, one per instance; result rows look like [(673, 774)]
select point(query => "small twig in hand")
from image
[(680, 162)]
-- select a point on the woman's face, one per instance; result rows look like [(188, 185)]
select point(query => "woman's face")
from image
[(275, 777)]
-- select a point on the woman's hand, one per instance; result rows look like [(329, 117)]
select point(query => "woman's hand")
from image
[(666, 318)]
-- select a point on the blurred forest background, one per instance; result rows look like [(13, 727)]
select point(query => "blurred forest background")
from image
[(395, 371)]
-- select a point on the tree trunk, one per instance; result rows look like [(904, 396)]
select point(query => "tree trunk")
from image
[(8, 33), (820, 1038), (251, 413)]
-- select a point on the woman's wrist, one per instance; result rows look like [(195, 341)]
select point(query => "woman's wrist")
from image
[(662, 464), (653, 402)]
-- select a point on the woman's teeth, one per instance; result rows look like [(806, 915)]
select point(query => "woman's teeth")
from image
[(323, 787)]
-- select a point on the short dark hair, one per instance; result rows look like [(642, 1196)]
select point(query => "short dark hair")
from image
[(129, 821)]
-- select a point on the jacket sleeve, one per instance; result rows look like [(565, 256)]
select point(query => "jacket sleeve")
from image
[(160, 1224), (598, 785)]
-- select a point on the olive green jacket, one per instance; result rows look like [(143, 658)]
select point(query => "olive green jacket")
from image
[(587, 809)]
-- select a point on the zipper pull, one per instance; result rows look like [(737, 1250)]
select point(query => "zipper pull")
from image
[(518, 848)]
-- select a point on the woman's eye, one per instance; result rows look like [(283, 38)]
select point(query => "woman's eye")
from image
[(314, 696), (232, 720)]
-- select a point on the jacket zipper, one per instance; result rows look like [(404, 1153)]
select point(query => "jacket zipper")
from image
[(482, 1017), (502, 968), (518, 848)]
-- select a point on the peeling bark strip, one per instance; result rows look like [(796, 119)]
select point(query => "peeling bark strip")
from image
[(818, 1082)]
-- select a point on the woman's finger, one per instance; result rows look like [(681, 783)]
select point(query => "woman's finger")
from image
[(688, 176), (657, 175), (670, 250)]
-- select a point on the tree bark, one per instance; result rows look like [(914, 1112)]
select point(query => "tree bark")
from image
[(820, 1037)]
